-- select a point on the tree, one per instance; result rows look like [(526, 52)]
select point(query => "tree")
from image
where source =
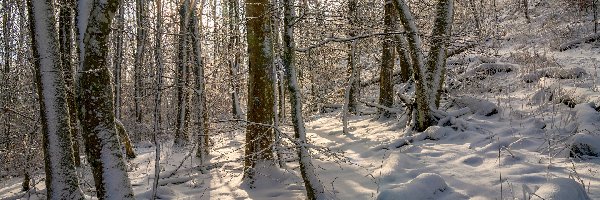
[(386, 73), (314, 188), (66, 17), (353, 69), (118, 60), (429, 76), (61, 177), (259, 138), (139, 58), (158, 95), (181, 136), (202, 120), (97, 117), (234, 61)]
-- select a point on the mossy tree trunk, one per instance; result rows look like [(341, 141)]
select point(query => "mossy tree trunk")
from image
[(259, 138), (429, 76), (386, 73), (181, 79), (61, 177), (97, 117)]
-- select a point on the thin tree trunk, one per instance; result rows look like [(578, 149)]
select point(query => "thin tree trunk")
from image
[(259, 138), (157, 98), (234, 40), (202, 131), (314, 188), (118, 60), (139, 58), (61, 177), (103, 148), (353, 69), (65, 31)]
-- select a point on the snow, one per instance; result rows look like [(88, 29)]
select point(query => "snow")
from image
[(503, 138), (560, 189), (424, 186)]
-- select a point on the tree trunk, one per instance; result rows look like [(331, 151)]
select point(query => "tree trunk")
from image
[(386, 83), (118, 60), (259, 138), (181, 136), (202, 120), (103, 148), (61, 177), (353, 69), (428, 78), (66, 16), (139, 59), (124, 137), (234, 40), (314, 188), (158, 96)]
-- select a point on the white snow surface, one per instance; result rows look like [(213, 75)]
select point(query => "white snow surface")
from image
[(521, 150)]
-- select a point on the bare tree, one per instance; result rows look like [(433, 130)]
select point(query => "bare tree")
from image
[(314, 188)]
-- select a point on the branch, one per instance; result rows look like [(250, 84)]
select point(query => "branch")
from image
[(336, 39)]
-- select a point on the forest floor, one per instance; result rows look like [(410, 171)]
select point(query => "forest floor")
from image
[(506, 155)]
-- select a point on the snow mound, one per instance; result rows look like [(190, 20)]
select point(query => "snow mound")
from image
[(477, 106), (424, 186), (561, 189), (554, 72), (437, 132), (587, 118), (585, 145), (485, 70)]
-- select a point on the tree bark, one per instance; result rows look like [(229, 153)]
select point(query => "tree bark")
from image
[(314, 188), (181, 135), (139, 59), (429, 77), (103, 148), (259, 138), (353, 69), (386, 83), (202, 120), (118, 60), (234, 44), (61, 177)]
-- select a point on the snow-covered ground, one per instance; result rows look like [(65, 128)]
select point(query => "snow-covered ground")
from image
[(520, 151)]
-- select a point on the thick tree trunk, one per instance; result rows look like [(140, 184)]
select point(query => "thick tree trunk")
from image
[(103, 148), (181, 135), (61, 177), (386, 83), (314, 188), (259, 138)]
